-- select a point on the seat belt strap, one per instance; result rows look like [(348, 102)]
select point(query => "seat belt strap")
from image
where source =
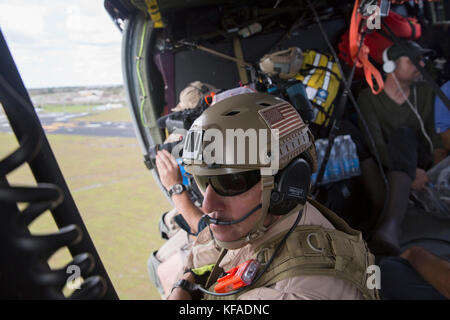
[(216, 271)]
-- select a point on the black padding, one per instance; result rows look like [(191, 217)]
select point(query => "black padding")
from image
[(193, 64), (291, 187)]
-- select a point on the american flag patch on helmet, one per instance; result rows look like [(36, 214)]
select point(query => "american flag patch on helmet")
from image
[(282, 117)]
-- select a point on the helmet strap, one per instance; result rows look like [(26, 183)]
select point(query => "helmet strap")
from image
[(267, 184)]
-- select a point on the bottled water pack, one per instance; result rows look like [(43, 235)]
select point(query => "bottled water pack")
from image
[(343, 162)]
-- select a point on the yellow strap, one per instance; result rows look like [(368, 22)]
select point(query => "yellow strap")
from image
[(155, 14), (202, 270)]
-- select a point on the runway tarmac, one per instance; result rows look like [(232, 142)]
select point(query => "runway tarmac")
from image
[(58, 122)]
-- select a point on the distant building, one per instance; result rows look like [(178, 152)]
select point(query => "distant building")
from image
[(90, 93)]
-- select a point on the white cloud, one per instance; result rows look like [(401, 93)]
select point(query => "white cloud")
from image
[(25, 20), (89, 28), (62, 43)]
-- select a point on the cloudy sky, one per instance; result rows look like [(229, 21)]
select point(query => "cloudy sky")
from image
[(62, 43)]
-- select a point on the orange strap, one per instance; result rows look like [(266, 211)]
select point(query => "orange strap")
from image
[(354, 36), (361, 59)]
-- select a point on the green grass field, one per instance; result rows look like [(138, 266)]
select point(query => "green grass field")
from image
[(68, 108), (118, 199)]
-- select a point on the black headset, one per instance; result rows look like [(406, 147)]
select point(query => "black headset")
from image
[(291, 187)]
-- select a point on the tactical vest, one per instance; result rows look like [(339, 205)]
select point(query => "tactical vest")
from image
[(314, 250)]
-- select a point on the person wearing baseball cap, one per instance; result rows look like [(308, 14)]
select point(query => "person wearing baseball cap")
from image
[(191, 96), (397, 50), (401, 122)]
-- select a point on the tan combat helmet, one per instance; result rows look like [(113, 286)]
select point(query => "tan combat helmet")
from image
[(248, 132)]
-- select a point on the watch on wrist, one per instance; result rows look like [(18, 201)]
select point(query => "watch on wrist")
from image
[(177, 189), (190, 287)]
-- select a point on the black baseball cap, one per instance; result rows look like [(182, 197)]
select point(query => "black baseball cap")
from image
[(397, 50)]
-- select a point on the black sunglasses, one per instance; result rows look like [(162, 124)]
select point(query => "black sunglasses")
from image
[(229, 185)]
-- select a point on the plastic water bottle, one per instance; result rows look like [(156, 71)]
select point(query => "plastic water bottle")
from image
[(346, 156), (335, 168), (355, 167), (343, 162), (340, 154), (320, 145)]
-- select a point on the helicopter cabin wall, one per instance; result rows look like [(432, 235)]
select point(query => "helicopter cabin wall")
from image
[(193, 64)]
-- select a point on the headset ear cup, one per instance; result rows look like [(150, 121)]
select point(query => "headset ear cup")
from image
[(388, 65), (291, 187)]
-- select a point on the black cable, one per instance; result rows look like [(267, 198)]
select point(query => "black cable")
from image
[(226, 223), (355, 105), (309, 67)]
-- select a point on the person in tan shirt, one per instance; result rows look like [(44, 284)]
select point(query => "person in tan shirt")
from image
[(302, 249), (297, 288)]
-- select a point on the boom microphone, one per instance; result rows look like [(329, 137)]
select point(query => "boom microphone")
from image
[(219, 222)]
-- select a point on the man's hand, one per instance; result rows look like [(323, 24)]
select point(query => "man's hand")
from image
[(179, 293), (407, 253), (170, 174), (168, 169), (432, 269), (420, 181)]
